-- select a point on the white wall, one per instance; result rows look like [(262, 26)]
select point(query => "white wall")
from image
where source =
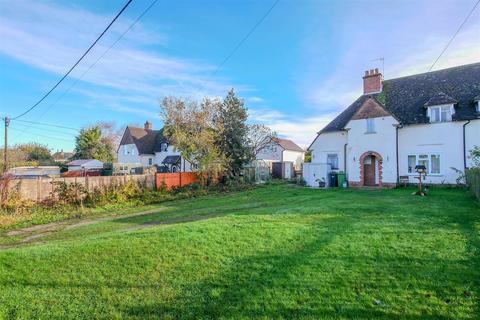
[(329, 143), (130, 156), (382, 142), (171, 151), (272, 152), (444, 138), (294, 156), (472, 138)]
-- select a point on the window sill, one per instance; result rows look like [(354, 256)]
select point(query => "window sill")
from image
[(370, 132)]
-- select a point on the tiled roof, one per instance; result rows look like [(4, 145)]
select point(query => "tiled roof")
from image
[(288, 144), (438, 99), (405, 98), (146, 141)]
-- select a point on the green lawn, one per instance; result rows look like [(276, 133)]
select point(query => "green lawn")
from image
[(277, 252)]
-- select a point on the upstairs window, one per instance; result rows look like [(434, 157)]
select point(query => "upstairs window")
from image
[(441, 114), (163, 147), (371, 125), (332, 160)]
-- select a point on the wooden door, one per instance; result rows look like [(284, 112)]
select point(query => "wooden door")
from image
[(369, 171)]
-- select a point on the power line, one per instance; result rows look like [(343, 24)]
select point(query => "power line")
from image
[(48, 124), (44, 136), (95, 62), (252, 30), (76, 63), (48, 130), (455, 34)]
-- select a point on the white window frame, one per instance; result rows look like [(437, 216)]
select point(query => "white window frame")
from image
[(428, 161), (370, 125), (331, 155), (446, 109), (150, 161)]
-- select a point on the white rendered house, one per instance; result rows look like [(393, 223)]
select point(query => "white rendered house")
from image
[(149, 147), (430, 119), (283, 150)]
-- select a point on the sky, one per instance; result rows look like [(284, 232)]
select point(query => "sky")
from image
[(299, 69)]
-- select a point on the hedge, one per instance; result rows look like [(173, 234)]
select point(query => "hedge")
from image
[(473, 181)]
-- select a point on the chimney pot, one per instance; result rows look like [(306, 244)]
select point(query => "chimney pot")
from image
[(148, 125), (372, 81)]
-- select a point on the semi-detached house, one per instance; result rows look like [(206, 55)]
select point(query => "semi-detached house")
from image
[(148, 147), (430, 119)]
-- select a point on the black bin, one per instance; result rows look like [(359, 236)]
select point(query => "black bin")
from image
[(332, 180)]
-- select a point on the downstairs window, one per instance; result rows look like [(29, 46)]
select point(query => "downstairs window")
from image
[(431, 161)]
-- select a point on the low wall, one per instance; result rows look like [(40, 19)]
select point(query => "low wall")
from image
[(41, 188), (172, 180)]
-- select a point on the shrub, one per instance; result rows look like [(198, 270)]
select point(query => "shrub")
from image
[(473, 181)]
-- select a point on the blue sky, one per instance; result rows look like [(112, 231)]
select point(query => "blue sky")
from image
[(299, 69)]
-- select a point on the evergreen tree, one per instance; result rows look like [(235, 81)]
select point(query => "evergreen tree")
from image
[(233, 139), (90, 144)]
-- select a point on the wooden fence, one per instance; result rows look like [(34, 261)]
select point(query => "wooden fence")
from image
[(473, 181), (41, 188), (172, 180)]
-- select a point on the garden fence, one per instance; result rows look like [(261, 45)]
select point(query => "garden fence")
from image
[(473, 181)]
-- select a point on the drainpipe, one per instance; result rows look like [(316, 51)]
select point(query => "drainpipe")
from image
[(345, 159), (464, 146), (396, 151)]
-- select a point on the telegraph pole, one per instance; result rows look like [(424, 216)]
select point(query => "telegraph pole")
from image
[(5, 151)]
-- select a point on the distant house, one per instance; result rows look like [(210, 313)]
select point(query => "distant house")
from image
[(61, 156), (430, 119), (88, 164), (283, 150), (149, 147)]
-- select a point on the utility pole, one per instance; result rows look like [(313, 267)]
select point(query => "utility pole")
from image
[(5, 151)]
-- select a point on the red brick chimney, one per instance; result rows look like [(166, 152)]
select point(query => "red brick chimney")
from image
[(147, 125), (372, 81)]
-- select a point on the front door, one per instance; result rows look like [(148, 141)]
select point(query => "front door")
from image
[(369, 171)]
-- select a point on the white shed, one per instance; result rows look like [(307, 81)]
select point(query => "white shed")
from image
[(87, 164)]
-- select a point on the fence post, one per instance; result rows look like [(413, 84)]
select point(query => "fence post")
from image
[(38, 188)]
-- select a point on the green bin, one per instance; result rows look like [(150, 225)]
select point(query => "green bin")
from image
[(341, 178)]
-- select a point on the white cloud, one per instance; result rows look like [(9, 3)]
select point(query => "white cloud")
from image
[(49, 37), (302, 130), (409, 40)]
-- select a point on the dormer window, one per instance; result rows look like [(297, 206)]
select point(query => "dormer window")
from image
[(163, 147), (477, 105), (440, 113)]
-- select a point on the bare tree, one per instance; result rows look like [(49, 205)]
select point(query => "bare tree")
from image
[(260, 136)]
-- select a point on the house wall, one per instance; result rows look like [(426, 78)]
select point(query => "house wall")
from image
[(272, 152), (294, 156), (381, 142), (171, 151), (130, 156), (329, 143), (443, 138), (472, 138)]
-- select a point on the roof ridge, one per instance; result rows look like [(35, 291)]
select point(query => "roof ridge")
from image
[(430, 72)]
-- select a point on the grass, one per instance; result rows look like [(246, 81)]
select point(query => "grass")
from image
[(278, 252)]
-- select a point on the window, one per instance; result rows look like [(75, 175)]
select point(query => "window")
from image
[(150, 161), (440, 114), (477, 104), (430, 161), (163, 147), (332, 159), (371, 125)]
